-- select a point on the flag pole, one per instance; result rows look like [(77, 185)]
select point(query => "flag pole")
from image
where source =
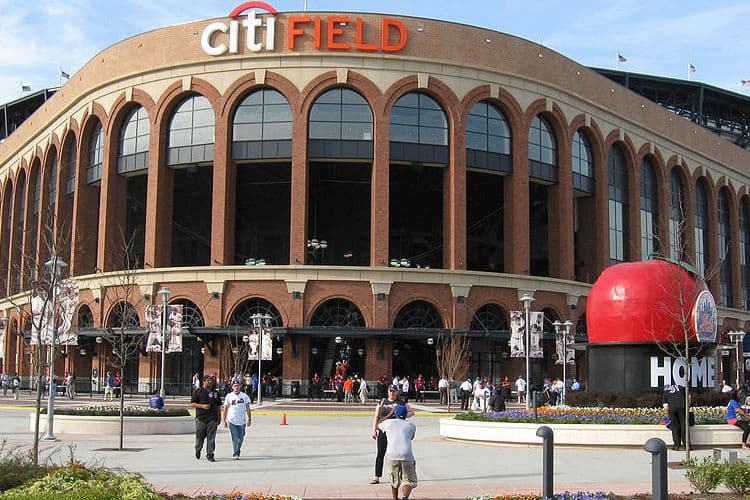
[(617, 61)]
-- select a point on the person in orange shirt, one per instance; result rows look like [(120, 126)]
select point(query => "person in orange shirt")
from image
[(348, 390)]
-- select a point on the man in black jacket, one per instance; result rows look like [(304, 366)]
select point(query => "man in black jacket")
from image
[(674, 405), (207, 403)]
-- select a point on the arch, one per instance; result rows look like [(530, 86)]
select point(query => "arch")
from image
[(191, 131), (92, 149), (175, 94), (619, 223), (504, 101), (649, 207), (122, 108), (261, 125), (132, 139), (581, 330), (247, 84), (337, 312), (242, 313), (550, 316), (419, 129), (436, 89), (488, 138), (418, 314), (192, 317), (582, 153), (702, 224), (329, 80), (489, 317), (84, 317), (340, 105), (123, 315)]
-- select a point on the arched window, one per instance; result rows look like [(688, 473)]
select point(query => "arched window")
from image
[(418, 314), (745, 251), (649, 210), (191, 132), (337, 312), (725, 243), (676, 216), (340, 126), (583, 163), (123, 315), (95, 154), (134, 142), (36, 182), (542, 150), (489, 317), (701, 228), (418, 119), (242, 314), (618, 205), (191, 314), (85, 317), (488, 139), (262, 127), (52, 186), (581, 331), (69, 166)]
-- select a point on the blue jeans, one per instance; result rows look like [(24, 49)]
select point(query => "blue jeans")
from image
[(238, 435)]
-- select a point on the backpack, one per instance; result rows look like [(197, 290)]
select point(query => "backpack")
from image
[(16, 382)]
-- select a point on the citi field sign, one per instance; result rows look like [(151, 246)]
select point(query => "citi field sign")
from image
[(336, 32)]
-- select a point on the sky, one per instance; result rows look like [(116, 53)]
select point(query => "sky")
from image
[(39, 38)]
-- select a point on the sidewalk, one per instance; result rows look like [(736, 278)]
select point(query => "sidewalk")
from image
[(332, 455)]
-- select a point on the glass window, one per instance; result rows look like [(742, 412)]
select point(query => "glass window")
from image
[(725, 243), (341, 114), (96, 148), (134, 137), (744, 252), (192, 123), (53, 178), (649, 209), (418, 118), (264, 115), (37, 191), (676, 215), (542, 145), (701, 228), (487, 129), (70, 167), (618, 205), (582, 156)]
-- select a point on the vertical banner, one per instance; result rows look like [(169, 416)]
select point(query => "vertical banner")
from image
[(252, 345), (3, 326), (68, 294), (517, 332), (264, 350), (570, 355), (537, 327), (174, 328), (41, 318), (153, 324)]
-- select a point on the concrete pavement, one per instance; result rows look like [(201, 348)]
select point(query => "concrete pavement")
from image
[(327, 452)]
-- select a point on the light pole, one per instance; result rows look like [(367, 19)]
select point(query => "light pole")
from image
[(562, 330), (55, 264), (527, 299), (164, 292), (261, 322), (736, 338)]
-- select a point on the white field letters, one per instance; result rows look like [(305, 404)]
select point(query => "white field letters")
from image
[(667, 371)]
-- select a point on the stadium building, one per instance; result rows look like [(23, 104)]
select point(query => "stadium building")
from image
[(373, 183)]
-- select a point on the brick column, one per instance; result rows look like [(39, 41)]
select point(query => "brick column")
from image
[(223, 198), (454, 202), (516, 208), (380, 196), (113, 215), (298, 222), (561, 245), (158, 204)]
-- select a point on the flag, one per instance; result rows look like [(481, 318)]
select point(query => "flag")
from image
[(25, 88), (620, 58), (745, 83), (691, 67), (65, 75)]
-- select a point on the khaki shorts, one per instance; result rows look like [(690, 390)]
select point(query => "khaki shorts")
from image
[(403, 472)]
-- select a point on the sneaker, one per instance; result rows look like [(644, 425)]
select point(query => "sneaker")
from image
[(236, 457), (211, 459), (198, 454)]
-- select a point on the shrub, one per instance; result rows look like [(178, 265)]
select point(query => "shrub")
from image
[(737, 477), (114, 411), (77, 481), (705, 475), (17, 467)]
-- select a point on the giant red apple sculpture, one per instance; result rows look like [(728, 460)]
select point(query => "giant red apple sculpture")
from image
[(645, 302)]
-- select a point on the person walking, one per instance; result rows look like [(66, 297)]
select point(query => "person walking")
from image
[(443, 390), (738, 417), (348, 390), (207, 404), (70, 386), (16, 385), (383, 411), (465, 389), (363, 391), (5, 382), (236, 415), (109, 387), (400, 434), (521, 389), (674, 406)]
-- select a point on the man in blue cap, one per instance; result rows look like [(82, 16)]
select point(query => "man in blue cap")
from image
[(400, 434)]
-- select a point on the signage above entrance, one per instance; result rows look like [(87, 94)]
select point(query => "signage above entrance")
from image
[(336, 32)]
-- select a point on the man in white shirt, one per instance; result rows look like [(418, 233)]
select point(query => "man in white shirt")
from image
[(521, 388), (466, 390), (400, 434), (236, 413), (443, 390), (725, 388)]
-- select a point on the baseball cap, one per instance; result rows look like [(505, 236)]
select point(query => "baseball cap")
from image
[(400, 411), (207, 377), (392, 387)]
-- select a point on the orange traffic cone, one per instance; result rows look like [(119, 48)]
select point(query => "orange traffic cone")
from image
[(283, 419)]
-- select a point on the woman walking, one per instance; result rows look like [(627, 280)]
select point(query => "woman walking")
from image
[(383, 411)]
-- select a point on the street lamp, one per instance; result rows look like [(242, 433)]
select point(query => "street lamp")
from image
[(164, 292), (55, 264), (736, 338), (562, 332), (261, 322), (527, 299)]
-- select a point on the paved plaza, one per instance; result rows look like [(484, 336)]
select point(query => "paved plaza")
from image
[(326, 452)]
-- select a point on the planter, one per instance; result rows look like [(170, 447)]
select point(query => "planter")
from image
[(585, 434), (74, 424)]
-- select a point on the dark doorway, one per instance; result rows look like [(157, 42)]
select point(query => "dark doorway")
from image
[(539, 229), (191, 216), (484, 222)]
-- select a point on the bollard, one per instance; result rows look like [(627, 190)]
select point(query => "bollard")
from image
[(658, 451), (548, 447)]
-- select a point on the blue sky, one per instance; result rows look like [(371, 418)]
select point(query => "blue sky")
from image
[(657, 37)]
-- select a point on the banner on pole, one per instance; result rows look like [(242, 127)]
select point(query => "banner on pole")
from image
[(41, 318), (69, 294), (264, 350), (517, 333), (536, 318), (174, 328), (153, 324)]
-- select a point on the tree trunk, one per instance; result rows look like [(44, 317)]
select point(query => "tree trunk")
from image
[(40, 381), (687, 404)]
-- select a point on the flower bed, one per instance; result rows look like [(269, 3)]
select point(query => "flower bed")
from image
[(112, 410), (557, 415), (105, 419)]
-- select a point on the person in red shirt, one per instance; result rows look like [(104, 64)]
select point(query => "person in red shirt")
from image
[(419, 387), (506, 388)]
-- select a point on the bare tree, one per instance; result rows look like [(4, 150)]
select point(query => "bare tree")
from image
[(673, 327), (125, 337), (452, 356), (235, 353)]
